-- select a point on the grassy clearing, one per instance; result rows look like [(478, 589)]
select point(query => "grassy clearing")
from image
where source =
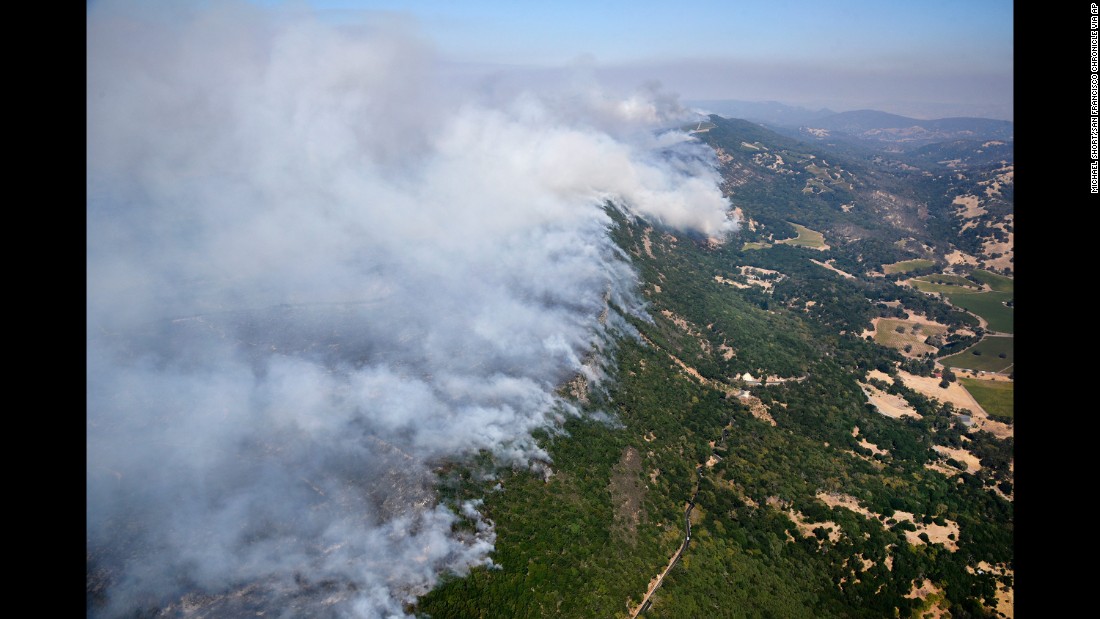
[(813, 182), (821, 173), (698, 126), (998, 283), (990, 360), (913, 334), (750, 245), (907, 265), (927, 286), (806, 238), (994, 396)]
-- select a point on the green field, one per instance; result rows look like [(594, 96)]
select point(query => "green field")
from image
[(988, 361), (927, 286), (988, 305), (998, 283), (994, 396), (907, 265), (806, 238), (949, 280), (751, 245)]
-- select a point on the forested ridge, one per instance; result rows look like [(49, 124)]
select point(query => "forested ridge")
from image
[(810, 502)]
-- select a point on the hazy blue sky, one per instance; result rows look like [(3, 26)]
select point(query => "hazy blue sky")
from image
[(944, 57)]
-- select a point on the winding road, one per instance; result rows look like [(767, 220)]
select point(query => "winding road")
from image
[(656, 583)]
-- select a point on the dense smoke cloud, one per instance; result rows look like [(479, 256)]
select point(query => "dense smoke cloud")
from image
[(312, 277)]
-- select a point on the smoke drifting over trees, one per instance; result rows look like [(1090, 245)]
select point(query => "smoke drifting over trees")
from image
[(313, 275)]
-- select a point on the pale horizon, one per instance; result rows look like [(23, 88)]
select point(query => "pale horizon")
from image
[(935, 60)]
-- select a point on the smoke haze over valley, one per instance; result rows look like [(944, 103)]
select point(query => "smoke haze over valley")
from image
[(314, 277)]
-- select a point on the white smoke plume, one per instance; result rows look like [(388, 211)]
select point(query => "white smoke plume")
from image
[(312, 277)]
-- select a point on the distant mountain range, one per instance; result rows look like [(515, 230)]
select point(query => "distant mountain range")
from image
[(868, 128), (884, 127), (767, 112)]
